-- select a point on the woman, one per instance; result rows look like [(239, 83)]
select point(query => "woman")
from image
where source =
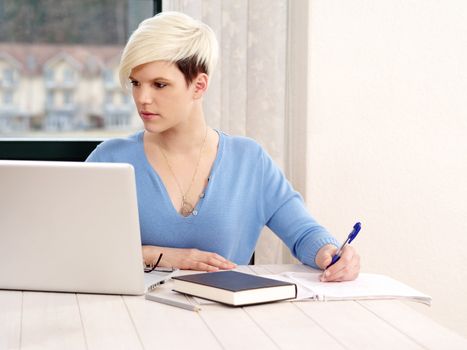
[(203, 196)]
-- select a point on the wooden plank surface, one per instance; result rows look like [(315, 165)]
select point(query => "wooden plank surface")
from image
[(235, 329), (415, 325), (163, 326), (349, 322), (420, 329), (51, 321), (289, 328), (356, 327), (10, 319), (107, 323), (285, 324), (38, 320)]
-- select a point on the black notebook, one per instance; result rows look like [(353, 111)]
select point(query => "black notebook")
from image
[(234, 288)]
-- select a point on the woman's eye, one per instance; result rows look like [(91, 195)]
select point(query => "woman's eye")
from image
[(134, 82), (160, 85)]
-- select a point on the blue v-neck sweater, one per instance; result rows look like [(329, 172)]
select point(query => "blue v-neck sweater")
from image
[(246, 191)]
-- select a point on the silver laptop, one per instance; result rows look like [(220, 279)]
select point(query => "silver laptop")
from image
[(69, 227)]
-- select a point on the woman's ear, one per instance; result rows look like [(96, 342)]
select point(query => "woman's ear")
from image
[(200, 85)]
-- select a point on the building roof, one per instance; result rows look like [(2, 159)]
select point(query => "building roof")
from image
[(33, 58)]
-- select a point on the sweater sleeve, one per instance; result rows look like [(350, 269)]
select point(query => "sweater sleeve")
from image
[(95, 156), (285, 213), (106, 151)]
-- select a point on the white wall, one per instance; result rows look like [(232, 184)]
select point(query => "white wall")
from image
[(388, 139)]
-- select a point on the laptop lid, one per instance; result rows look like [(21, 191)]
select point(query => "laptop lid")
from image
[(69, 227)]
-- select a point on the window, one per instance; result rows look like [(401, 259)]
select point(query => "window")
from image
[(7, 97), (68, 53), (109, 77), (8, 77), (67, 98), (109, 97), (126, 99), (68, 75), (50, 99), (49, 76)]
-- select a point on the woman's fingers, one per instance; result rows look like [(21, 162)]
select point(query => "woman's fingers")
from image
[(346, 268), (324, 255), (195, 259)]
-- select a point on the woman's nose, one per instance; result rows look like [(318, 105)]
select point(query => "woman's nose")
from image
[(143, 96)]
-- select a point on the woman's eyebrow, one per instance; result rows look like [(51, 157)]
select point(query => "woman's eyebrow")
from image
[(152, 79)]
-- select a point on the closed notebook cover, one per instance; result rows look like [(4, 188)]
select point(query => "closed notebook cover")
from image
[(244, 289), (232, 280)]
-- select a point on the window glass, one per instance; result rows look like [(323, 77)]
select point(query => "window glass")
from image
[(58, 67), (8, 98), (8, 76)]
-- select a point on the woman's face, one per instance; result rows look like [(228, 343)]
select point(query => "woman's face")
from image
[(161, 95)]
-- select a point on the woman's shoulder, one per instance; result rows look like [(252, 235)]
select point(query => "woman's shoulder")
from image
[(241, 144), (246, 150), (127, 141), (114, 148)]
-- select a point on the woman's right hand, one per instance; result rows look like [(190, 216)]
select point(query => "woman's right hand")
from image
[(186, 259)]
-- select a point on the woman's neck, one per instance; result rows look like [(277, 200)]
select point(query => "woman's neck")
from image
[(181, 139)]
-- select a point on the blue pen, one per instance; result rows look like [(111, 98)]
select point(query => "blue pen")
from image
[(350, 238)]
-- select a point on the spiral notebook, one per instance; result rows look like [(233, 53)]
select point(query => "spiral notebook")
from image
[(367, 286)]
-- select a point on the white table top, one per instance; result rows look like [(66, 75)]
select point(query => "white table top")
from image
[(39, 320)]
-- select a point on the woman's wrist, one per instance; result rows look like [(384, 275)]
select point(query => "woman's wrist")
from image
[(151, 254)]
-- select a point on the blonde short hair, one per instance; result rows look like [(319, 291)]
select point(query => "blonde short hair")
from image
[(174, 37)]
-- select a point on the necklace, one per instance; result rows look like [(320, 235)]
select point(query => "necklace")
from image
[(186, 207)]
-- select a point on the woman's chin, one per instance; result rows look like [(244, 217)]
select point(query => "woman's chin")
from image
[(154, 127)]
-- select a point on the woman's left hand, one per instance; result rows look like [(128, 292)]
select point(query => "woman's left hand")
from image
[(346, 268)]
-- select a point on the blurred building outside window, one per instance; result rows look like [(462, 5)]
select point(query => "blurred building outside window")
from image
[(59, 67)]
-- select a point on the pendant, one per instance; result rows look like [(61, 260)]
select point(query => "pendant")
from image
[(186, 208)]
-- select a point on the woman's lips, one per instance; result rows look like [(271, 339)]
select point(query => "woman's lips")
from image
[(149, 115)]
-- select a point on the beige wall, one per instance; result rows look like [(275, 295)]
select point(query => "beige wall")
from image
[(388, 139)]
